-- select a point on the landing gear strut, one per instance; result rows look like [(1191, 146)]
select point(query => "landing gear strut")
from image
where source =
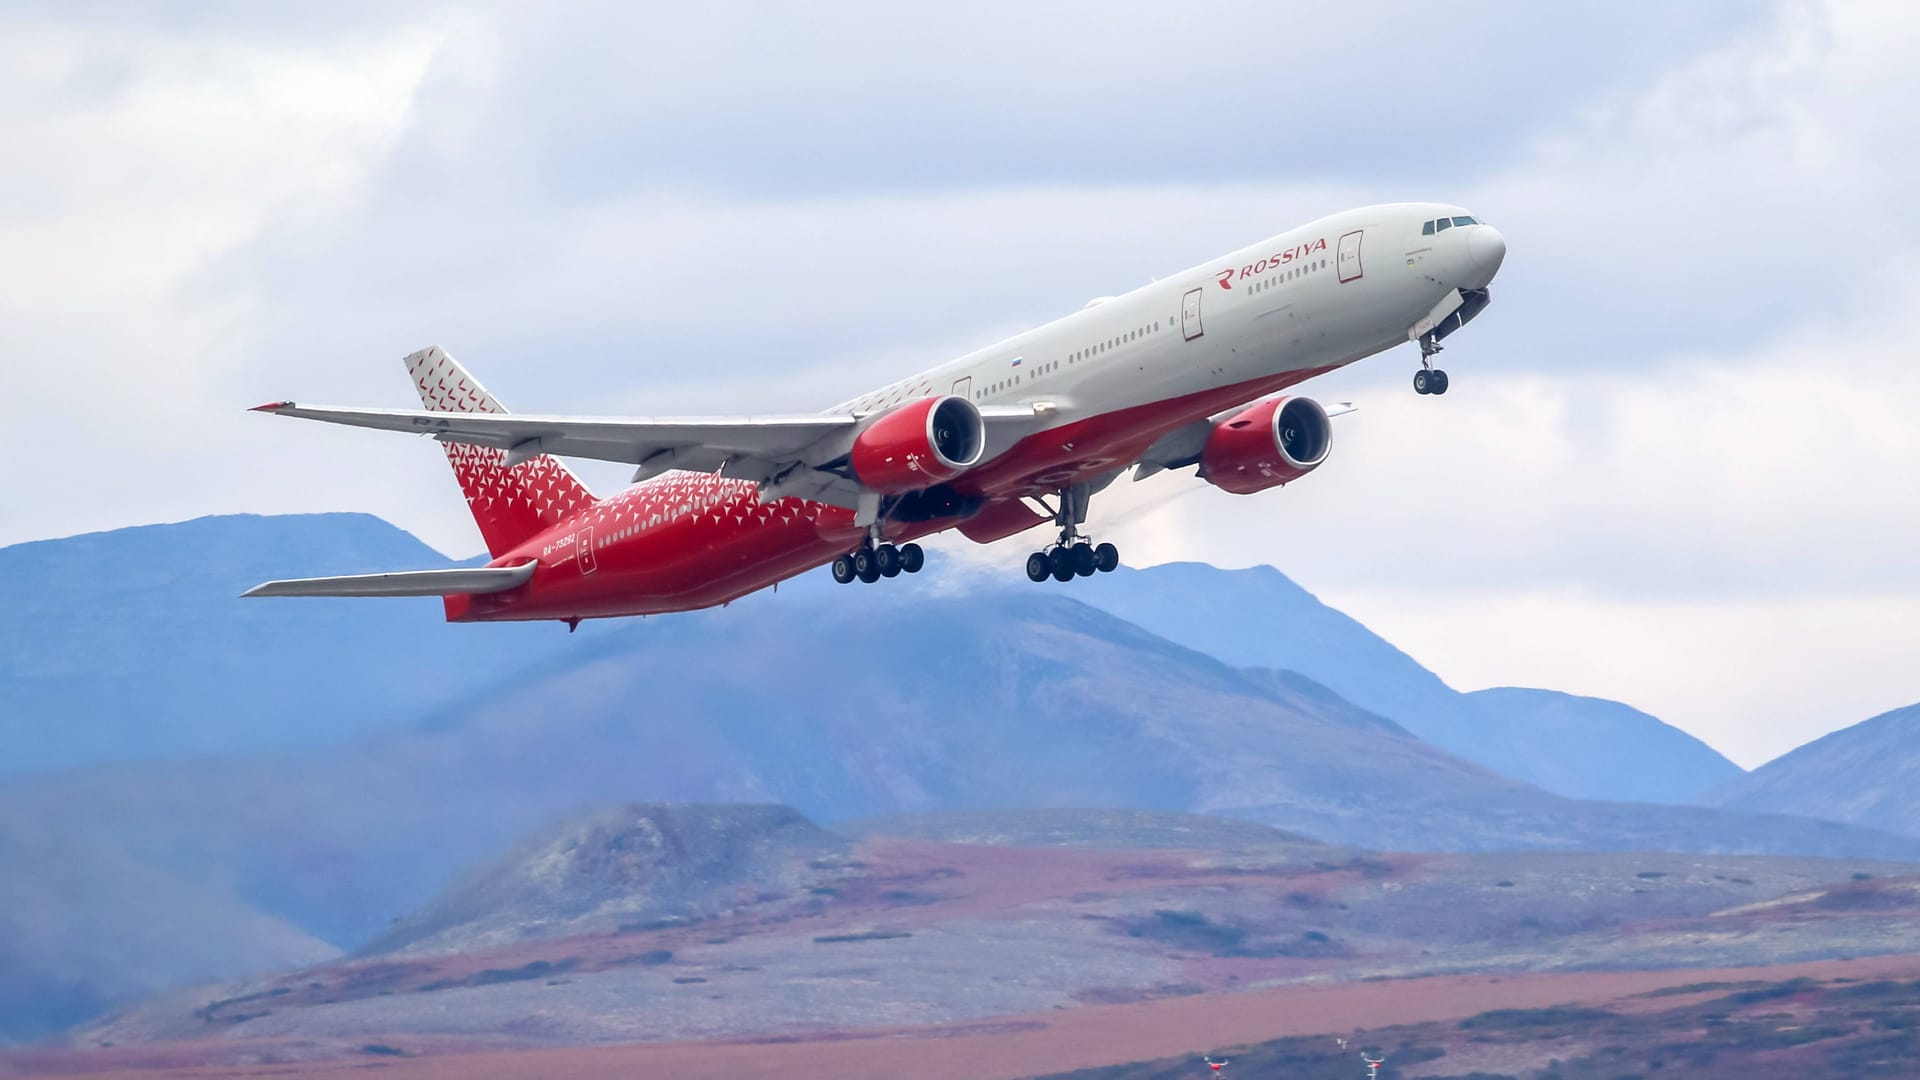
[(1073, 555), (1429, 379)]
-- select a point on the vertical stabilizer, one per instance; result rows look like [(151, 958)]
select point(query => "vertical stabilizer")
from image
[(509, 504)]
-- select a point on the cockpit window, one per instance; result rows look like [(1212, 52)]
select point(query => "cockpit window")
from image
[(1463, 221), (1443, 223), (1427, 230)]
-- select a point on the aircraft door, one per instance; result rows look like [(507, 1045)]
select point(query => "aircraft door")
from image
[(1348, 259), (1190, 315), (963, 388), (589, 561)]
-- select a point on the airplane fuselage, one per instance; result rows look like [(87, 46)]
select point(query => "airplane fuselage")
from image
[(1109, 379)]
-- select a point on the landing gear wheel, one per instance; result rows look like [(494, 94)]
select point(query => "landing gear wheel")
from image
[(1060, 561), (1083, 560), (1423, 381), (1105, 558), (865, 566), (1438, 382), (843, 569), (1037, 568), (912, 558), (887, 558)]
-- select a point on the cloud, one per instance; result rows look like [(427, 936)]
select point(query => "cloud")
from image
[(1687, 398)]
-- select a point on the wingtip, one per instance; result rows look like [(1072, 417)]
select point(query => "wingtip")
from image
[(272, 406)]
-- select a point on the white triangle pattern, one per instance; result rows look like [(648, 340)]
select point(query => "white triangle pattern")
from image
[(510, 505)]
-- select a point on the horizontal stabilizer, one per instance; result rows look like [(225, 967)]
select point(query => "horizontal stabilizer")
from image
[(458, 581)]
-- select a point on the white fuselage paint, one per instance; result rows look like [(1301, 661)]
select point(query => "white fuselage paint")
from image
[(1279, 315)]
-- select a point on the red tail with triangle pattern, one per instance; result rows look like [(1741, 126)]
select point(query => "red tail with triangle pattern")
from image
[(510, 505)]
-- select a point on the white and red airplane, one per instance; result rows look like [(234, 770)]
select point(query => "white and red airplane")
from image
[(1170, 375)]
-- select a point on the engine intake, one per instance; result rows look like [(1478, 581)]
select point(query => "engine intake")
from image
[(919, 444), (1267, 444)]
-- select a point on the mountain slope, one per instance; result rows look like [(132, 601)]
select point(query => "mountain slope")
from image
[(868, 703), (1580, 747), (84, 926), (1868, 774), (135, 644)]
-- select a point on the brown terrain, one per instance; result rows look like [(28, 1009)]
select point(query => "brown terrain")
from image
[(929, 958), (1005, 1047)]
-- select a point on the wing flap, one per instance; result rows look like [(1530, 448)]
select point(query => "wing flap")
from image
[(456, 581)]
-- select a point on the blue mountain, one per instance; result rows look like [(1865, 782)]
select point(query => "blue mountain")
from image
[(1581, 747), (313, 769), (1867, 774), (134, 644)]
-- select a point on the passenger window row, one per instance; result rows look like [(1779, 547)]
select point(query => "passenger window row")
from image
[(1115, 342), (1443, 224), (1283, 277)]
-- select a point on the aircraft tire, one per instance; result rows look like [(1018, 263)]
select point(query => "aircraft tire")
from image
[(843, 569), (1037, 568), (1084, 561), (1422, 382), (887, 558), (865, 567), (1439, 381), (912, 558), (1060, 561), (1105, 558)]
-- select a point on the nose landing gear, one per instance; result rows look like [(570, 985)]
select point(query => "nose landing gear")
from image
[(1429, 379)]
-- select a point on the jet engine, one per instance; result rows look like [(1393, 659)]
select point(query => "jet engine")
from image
[(918, 445), (1268, 443)]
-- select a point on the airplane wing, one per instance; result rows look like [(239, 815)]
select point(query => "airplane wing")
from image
[(459, 580), (750, 447)]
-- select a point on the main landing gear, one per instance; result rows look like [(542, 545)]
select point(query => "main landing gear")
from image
[(870, 562), (1070, 559), (1429, 379), (1074, 555)]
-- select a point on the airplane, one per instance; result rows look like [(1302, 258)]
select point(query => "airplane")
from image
[(1185, 372)]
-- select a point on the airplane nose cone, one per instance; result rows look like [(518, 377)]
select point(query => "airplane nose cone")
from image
[(1488, 249)]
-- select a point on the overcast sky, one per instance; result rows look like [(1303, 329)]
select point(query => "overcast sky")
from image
[(1677, 465)]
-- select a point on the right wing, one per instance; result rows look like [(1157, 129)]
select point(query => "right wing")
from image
[(787, 454), (656, 444), (458, 580)]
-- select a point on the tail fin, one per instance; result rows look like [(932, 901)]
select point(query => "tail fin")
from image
[(510, 504)]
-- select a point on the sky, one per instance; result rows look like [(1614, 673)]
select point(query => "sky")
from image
[(1676, 465)]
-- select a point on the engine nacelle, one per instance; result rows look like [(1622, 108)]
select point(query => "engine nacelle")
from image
[(918, 445), (1268, 443)]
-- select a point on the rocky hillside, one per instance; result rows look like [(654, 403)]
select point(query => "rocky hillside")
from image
[(635, 865), (910, 931)]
